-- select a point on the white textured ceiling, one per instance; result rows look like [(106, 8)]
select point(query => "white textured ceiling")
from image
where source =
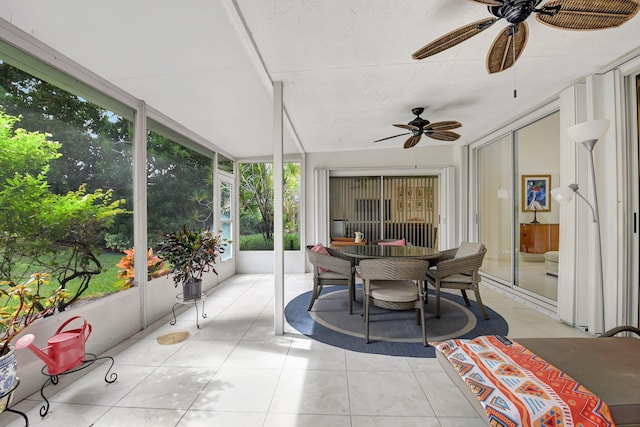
[(346, 64)]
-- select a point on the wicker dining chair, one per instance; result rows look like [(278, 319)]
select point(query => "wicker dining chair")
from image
[(458, 269), (394, 284), (333, 269)]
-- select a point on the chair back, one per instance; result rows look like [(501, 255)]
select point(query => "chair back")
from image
[(313, 256), (468, 248), (393, 269)]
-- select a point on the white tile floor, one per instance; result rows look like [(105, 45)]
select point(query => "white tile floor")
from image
[(235, 372)]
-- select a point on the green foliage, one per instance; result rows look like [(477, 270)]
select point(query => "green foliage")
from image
[(24, 303), (54, 233), (257, 242), (180, 187), (256, 201), (96, 151)]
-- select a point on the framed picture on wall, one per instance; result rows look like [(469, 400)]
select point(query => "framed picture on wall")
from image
[(410, 193), (419, 205), (419, 192), (536, 191), (400, 193), (400, 205), (409, 205)]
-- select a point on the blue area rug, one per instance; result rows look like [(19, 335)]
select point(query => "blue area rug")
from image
[(394, 333)]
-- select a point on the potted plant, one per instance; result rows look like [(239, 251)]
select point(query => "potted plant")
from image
[(190, 254), (21, 305)]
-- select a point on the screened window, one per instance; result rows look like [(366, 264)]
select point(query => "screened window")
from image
[(256, 206), (179, 186), (73, 164), (225, 164), (226, 217)]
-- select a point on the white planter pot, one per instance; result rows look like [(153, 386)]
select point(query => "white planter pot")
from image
[(8, 369)]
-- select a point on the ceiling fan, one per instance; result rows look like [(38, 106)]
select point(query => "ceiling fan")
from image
[(420, 126), (509, 44)]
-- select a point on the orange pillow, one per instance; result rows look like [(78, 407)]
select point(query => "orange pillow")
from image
[(401, 242)]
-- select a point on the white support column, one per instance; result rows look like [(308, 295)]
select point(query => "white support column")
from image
[(320, 221), (278, 223), (140, 205)]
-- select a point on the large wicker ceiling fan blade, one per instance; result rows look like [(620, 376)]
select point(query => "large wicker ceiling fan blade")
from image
[(588, 14), (490, 2), (507, 47), (389, 137), (412, 141), (453, 38), (408, 127), (443, 135), (446, 125)]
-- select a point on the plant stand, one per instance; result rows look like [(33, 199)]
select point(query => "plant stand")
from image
[(8, 396), (181, 301), (89, 359)]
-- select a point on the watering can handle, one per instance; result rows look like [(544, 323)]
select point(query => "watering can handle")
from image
[(88, 332), (86, 328)]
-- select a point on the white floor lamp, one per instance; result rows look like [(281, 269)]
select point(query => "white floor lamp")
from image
[(587, 134)]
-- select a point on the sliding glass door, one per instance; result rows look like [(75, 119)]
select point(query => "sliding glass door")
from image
[(495, 207), (383, 207), (516, 217)]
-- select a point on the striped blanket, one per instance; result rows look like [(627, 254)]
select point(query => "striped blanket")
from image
[(518, 388)]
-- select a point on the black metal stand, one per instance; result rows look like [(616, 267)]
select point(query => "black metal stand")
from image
[(89, 359), (181, 301), (8, 395)]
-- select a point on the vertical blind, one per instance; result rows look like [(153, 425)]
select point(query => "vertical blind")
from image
[(385, 208)]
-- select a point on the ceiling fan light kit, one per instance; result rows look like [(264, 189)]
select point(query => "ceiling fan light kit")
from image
[(510, 43)]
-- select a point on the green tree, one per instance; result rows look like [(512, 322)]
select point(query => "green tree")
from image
[(42, 230), (256, 194), (180, 187), (256, 198), (95, 148)]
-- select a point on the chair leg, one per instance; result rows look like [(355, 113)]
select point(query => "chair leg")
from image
[(317, 288), (437, 301), (366, 319), (479, 301), (466, 298), (423, 322), (352, 295)]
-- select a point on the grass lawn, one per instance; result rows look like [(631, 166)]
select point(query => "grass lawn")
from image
[(100, 285)]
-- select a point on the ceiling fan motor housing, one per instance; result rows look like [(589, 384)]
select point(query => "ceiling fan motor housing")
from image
[(515, 11), (418, 122)]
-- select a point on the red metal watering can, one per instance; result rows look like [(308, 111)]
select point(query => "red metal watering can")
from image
[(64, 351)]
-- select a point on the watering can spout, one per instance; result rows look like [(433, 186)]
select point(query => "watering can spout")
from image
[(27, 342)]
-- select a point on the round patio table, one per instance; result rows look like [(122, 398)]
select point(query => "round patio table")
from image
[(391, 251)]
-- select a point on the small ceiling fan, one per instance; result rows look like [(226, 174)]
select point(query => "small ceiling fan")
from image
[(509, 44), (420, 126)]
